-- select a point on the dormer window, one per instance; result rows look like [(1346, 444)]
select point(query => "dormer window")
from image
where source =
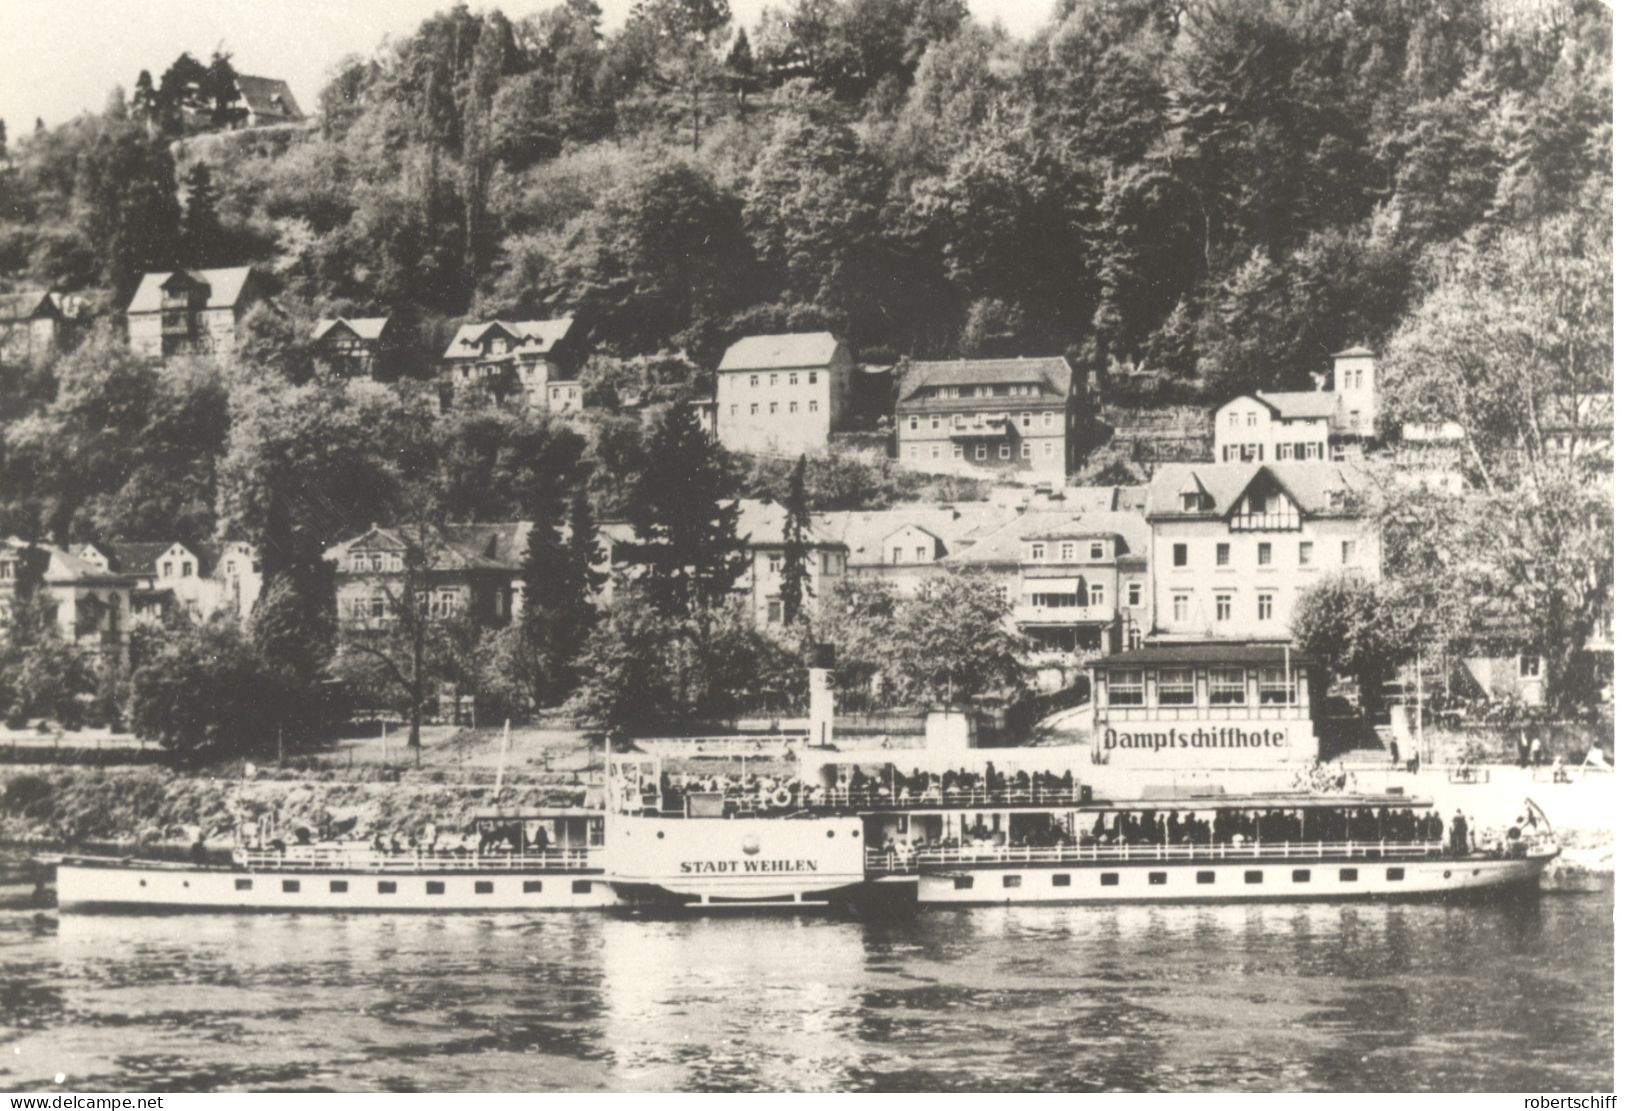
[(358, 561), (1097, 551), (1194, 501)]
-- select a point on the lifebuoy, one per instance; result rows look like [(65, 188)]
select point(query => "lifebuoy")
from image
[(782, 797)]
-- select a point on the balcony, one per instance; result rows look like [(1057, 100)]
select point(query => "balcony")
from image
[(1064, 615), (1266, 522)]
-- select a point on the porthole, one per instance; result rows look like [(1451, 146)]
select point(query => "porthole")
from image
[(143, 883), (660, 835), (855, 833), (829, 833)]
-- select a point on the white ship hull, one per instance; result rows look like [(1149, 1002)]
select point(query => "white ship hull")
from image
[(759, 862), (1222, 881), (112, 885)]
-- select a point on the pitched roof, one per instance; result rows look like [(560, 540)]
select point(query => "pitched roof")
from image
[(1007, 544), (534, 336), (225, 285), (25, 304), (1214, 652), (1360, 351), (780, 352), (491, 546), (64, 566), (365, 327), (865, 531), (1321, 489), (134, 557), (761, 525), (1053, 373), (268, 96), (1300, 404)]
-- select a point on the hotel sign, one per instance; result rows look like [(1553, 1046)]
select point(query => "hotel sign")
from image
[(1211, 744)]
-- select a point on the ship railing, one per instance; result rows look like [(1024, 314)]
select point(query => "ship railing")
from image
[(886, 798), (336, 858), (1253, 850)]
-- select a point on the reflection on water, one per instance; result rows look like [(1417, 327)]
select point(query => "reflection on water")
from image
[(1362, 997)]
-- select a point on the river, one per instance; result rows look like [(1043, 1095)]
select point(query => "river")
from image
[(1263, 997)]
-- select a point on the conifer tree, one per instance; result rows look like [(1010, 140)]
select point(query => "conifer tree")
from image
[(795, 587), (683, 517), (200, 221), (561, 586)]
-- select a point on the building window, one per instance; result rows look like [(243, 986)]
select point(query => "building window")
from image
[(795, 380), (1221, 607), (775, 612), (1182, 607), (1227, 686), (377, 561), (981, 451), (897, 555), (1004, 451), (1068, 552), (445, 603), (1529, 666), (231, 566), (1133, 594), (755, 381), (1275, 689), (812, 378), (936, 451), (936, 422), (754, 408), (1252, 420), (1221, 555), (1348, 552), (733, 410), (1026, 420), (1097, 594), (913, 451), (1266, 607), (919, 555), (1306, 553), (1037, 551), (1176, 687), (1049, 420), (812, 406), (959, 451), (775, 564), (772, 407), (913, 424), (1134, 636), (773, 381), (1049, 449), (1125, 688), (169, 569), (186, 568), (1026, 450), (1179, 555), (1266, 555), (792, 406)]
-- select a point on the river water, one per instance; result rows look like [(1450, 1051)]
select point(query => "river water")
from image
[(1260, 997)]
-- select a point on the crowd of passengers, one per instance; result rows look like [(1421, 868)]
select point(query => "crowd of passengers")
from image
[(852, 787), (1226, 827)]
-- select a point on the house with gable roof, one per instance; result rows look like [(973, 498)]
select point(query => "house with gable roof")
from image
[(266, 101), (531, 362), (783, 394), (196, 581), (1281, 426), (192, 312), (37, 322), (976, 415), (1233, 545), (89, 603), (469, 569), (357, 347)]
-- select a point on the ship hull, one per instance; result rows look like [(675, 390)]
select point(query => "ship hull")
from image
[(1224, 881), (85, 886)]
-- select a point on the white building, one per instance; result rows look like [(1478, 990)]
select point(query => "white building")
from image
[(192, 312), (783, 394), (973, 416), (1233, 545), (1303, 425), (196, 580), (526, 361)]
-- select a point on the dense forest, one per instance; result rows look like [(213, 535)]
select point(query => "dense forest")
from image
[(1214, 194)]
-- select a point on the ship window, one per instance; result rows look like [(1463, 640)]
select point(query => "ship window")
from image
[(338, 887), (1108, 879), (533, 887), (1012, 881), (1204, 877), (581, 887), (1158, 878), (386, 887), (1300, 875), (434, 887), (1061, 879), (1396, 873), (483, 887), (291, 886), (1253, 877), (964, 883), (1348, 875), (245, 885)]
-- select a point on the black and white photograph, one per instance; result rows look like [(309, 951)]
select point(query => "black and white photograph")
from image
[(807, 546)]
